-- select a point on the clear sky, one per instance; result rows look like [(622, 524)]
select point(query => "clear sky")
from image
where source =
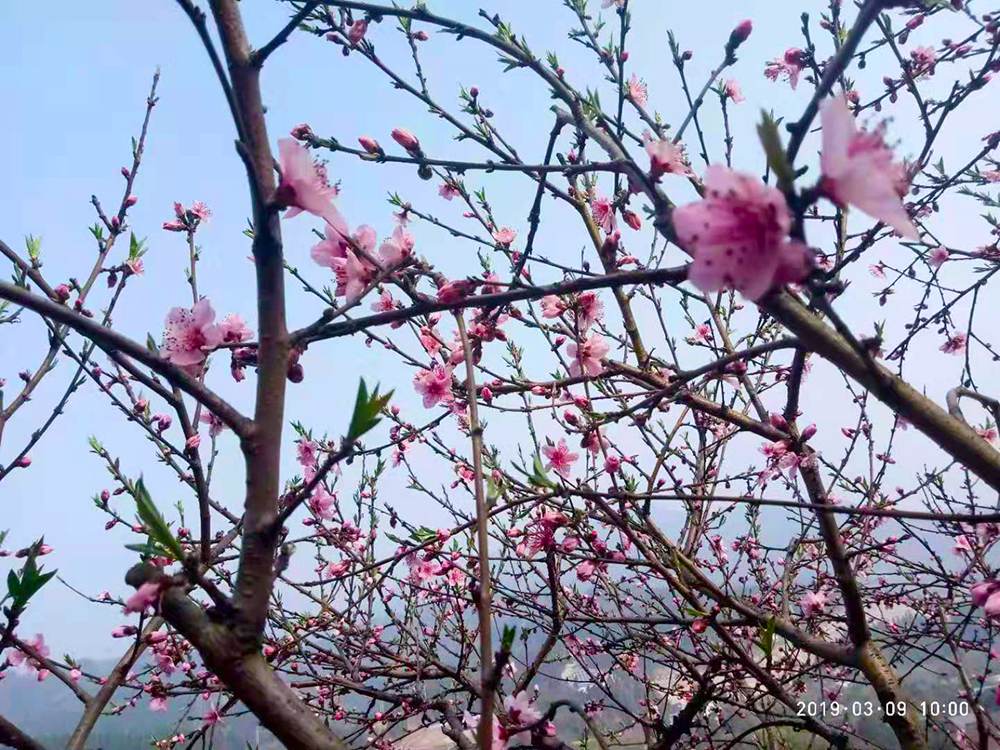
[(73, 84)]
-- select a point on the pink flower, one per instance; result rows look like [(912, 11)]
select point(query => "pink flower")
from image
[(214, 716), (738, 236), (397, 248), (589, 310), (587, 356), (954, 344), (385, 302), (215, 425), (304, 185), (406, 139), (338, 569), (604, 211), (937, 257), (665, 157), (188, 335), (234, 330), (75, 674), (455, 291), (306, 452), (637, 90), (145, 596), (983, 590), (989, 434), (123, 631), (448, 191), (552, 306), (159, 703), (504, 236), (858, 169), (520, 711), (992, 176), (135, 265), (733, 90), (203, 212), (357, 31), (961, 545), (791, 66), (322, 502), (585, 570), (353, 274), (560, 458), (434, 385), (301, 132), (813, 602), (924, 59)]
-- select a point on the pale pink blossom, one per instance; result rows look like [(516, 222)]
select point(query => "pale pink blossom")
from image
[(75, 674), (992, 176), (504, 236), (738, 236), (448, 191), (989, 434), (398, 247), (962, 545), (587, 356), (159, 703), (552, 306), (604, 211), (322, 503), (136, 266), (637, 90), (145, 596), (732, 89), (520, 711), (790, 66), (212, 717), (202, 211), (234, 330), (434, 385), (923, 61), (385, 302), (937, 257), (215, 425), (307, 452), (586, 570), (560, 458), (858, 169), (813, 602), (665, 156), (589, 310), (954, 344), (189, 335), (304, 185)]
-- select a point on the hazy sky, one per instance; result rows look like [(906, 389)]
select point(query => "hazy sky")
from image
[(73, 84)]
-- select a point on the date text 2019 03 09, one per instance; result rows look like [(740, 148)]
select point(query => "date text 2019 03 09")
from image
[(949, 709)]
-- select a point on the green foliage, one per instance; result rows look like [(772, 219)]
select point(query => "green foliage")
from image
[(770, 139), (161, 539), (366, 409), (21, 587)]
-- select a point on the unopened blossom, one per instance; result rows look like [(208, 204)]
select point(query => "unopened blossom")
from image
[(357, 31), (123, 631), (504, 236), (937, 257), (163, 421), (738, 236), (858, 169), (992, 176), (189, 334), (406, 139), (732, 89), (434, 385), (665, 156), (632, 219), (790, 66), (454, 291), (739, 35), (75, 674), (304, 185), (587, 356), (369, 144), (604, 211), (954, 344), (560, 458), (397, 247), (145, 596), (812, 603), (637, 90)]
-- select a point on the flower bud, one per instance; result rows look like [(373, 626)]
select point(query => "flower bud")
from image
[(62, 292), (23, 462), (486, 394), (125, 173), (633, 220), (474, 92), (131, 201), (301, 132), (369, 144), (357, 31), (808, 432), (295, 373), (739, 35), (778, 422), (406, 139)]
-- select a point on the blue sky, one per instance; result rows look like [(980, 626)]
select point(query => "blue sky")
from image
[(74, 86)]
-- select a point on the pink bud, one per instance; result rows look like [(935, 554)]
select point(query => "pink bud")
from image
[(486, 394), (808, 432), (301, 132), (115, 222), (369, 144), (295, 373), (357, 31), (778, 422), (406, 139), (633, 220), (125, 173), (474, 92), (421, 36), (23, 462), (740, 34), (131, 201), (105, 496), (62, 292)]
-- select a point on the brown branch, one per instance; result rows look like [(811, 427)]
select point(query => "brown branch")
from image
[(11, 736)]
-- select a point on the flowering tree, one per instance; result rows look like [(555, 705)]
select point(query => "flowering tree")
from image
[(617, 426)]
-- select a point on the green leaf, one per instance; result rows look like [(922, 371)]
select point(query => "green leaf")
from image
[(540, 478), (13, 585), (153, 521), (770, 139), (766, 632), (507, 640), (366, 409)]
